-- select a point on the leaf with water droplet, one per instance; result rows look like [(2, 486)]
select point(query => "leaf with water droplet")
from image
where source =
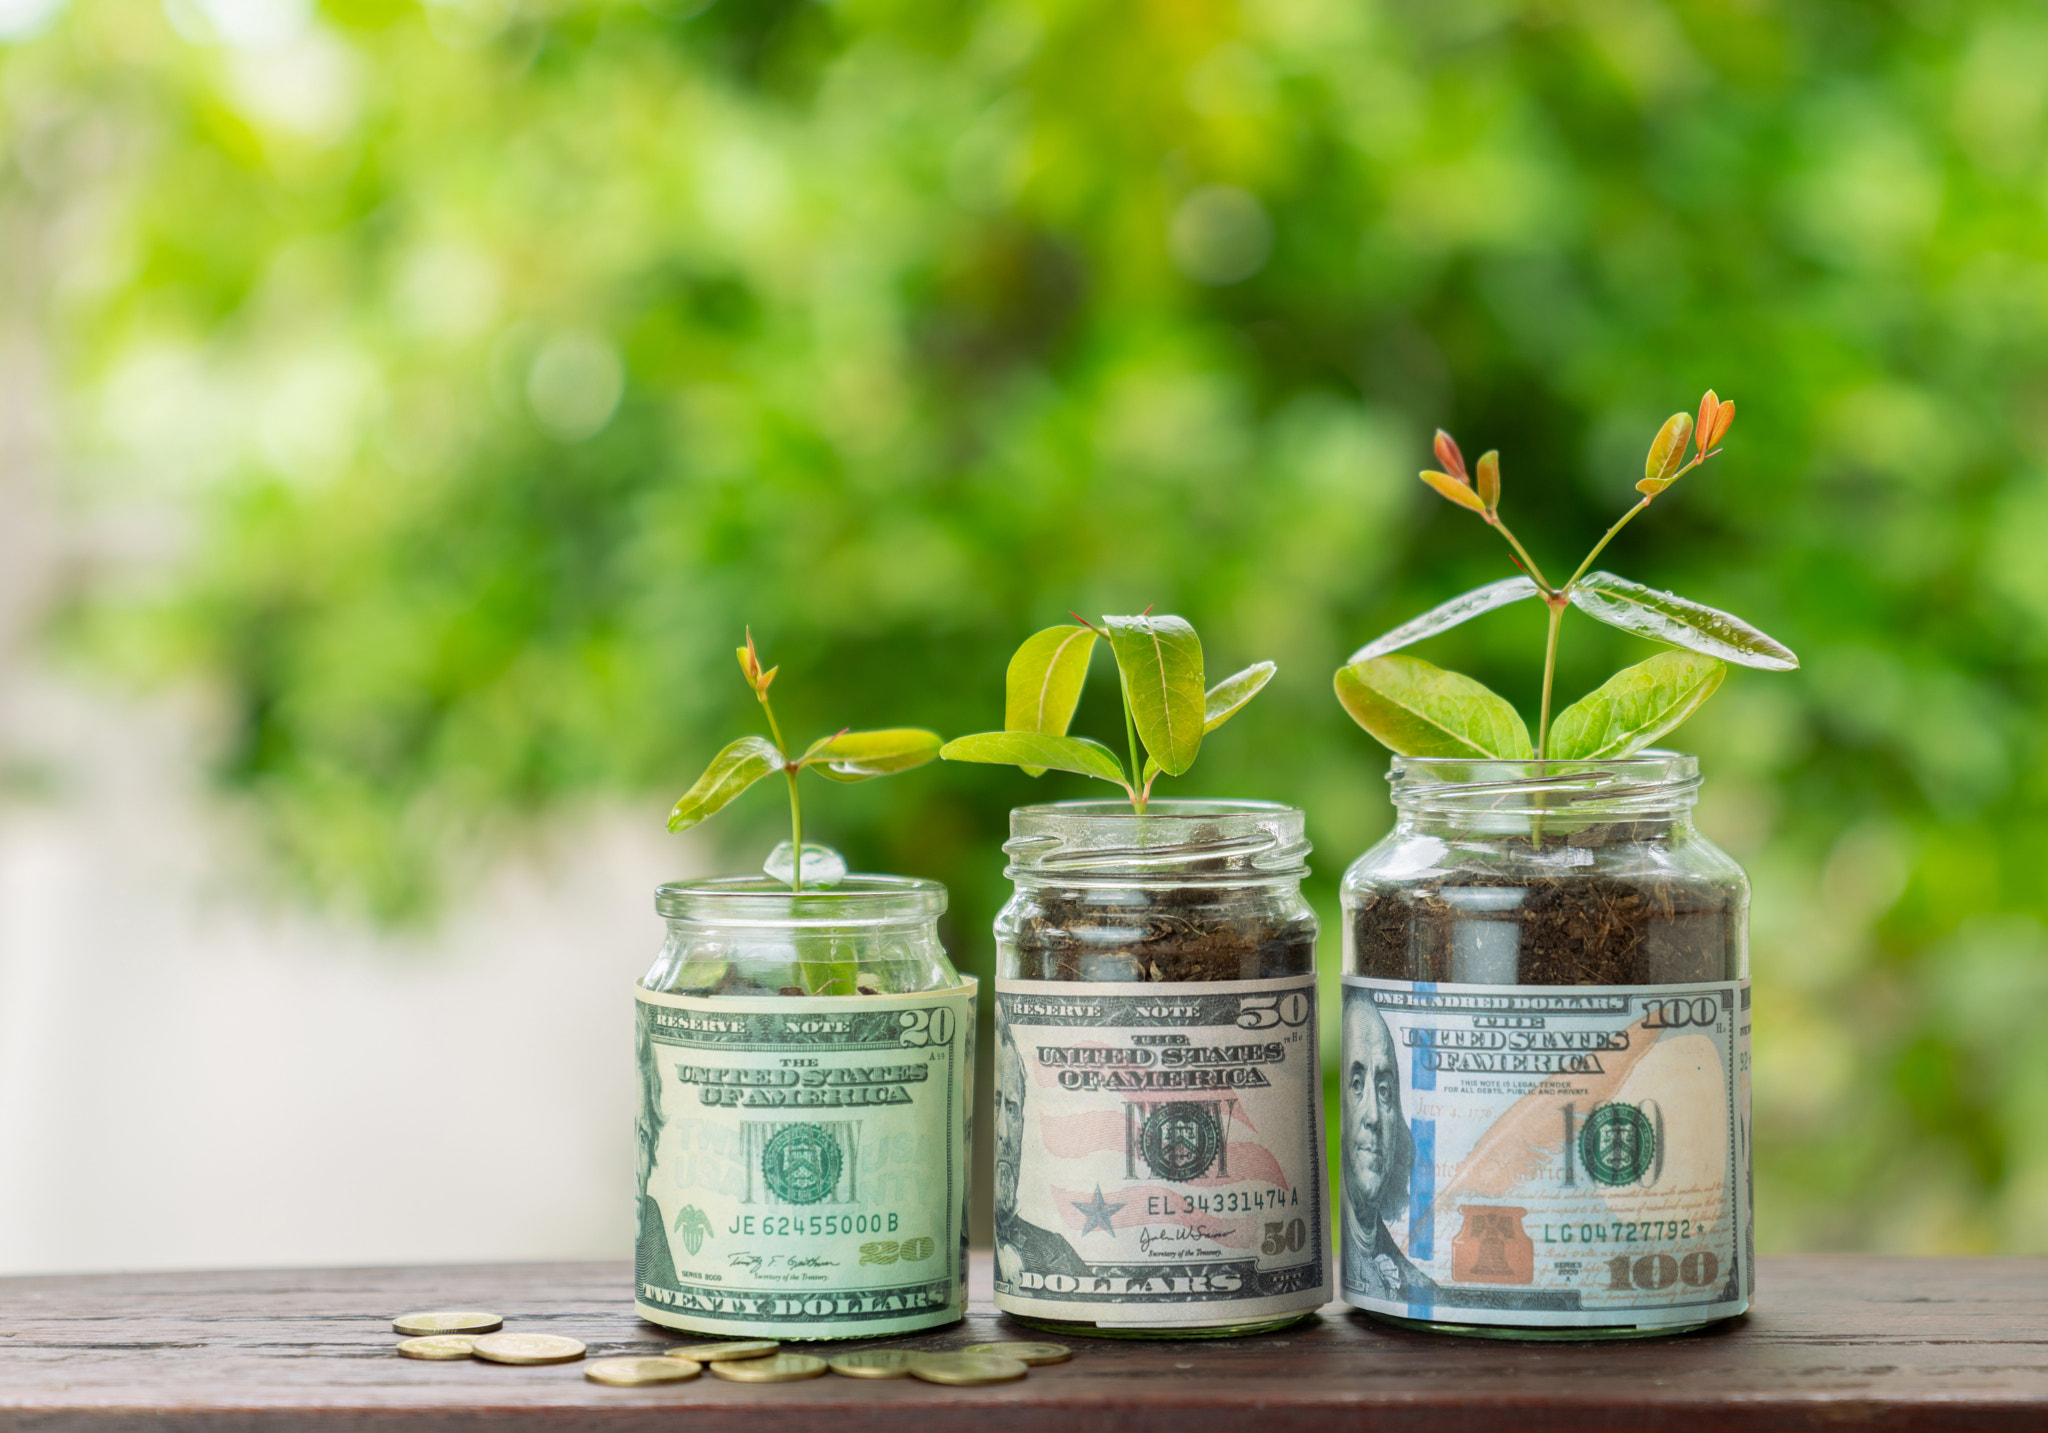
[(1462, 608), (862, 755), (1667, 617)]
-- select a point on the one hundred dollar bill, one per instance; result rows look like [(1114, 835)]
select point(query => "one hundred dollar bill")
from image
[(1555, 1156), (804, 1162), (1159, 1151)]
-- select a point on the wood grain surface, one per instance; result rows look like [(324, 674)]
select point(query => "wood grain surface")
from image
[(1834, 1342)]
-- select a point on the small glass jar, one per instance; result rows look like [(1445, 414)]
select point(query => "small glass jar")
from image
[(806, 1063), (1158, 1102), (1545, 1057)]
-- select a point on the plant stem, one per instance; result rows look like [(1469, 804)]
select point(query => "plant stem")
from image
[(796, 807), (1557, 606), (1523, 553), (796, 831), (1601, 546), (1138, 798)]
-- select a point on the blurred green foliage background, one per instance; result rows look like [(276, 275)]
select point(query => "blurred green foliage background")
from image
[(501, 359)]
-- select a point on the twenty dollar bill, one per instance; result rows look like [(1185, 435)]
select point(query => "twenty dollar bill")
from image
[(803, 1162)]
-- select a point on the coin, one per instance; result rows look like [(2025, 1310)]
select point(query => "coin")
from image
[(630, 1372), (440, 1345), (723, 1352), (462, 1321), (528, 1348), (778, 1368), (874, 1363), (1032, 1353), (966, 1368)]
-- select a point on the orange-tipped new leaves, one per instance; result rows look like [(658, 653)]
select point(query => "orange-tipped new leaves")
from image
[(1458, 492), (750, 666), (1447, 453), (1419, 710), (1714, 420)]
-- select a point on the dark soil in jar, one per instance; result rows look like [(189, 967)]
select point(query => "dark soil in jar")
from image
[(1567, 929), (1180, 933)]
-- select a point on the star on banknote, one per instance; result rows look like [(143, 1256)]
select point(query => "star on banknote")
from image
[(1097, 1213)]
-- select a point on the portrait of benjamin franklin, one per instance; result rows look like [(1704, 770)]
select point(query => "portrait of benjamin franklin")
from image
[(1379, 1158), (1020, 1244)]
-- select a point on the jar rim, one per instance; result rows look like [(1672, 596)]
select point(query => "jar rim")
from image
[(1172, 842), (1646, 780), (762, 900), (1162, 810)]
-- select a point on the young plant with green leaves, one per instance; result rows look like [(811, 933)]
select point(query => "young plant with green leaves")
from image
[(1420, 710), (1167, 707), (844, 756)]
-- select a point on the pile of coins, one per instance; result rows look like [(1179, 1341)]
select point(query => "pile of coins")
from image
[(473, 1334), (470, 1333)]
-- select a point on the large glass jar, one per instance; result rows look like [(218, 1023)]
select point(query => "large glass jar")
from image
[(806, 1064), (1158, 1103), (1545, 1067)]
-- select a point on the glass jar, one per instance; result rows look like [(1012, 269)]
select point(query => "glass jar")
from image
[(1545, 1061), (1158, 1102), (806, 1063)]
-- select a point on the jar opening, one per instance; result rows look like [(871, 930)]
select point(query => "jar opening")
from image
[(1648, 784), (1172, 842), (860, 900)]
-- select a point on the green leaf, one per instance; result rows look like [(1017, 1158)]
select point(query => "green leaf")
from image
[(1667, 452), (861, 755), (1665, 617), (1039, 749), (1462, 608), (1045, 680), (1160, 659), (1635, 706), (1416, 709), (1227, 697), (732, 771)]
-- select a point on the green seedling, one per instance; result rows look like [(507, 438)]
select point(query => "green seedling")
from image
[(845, 756), (1167, 709), (1420, 710)]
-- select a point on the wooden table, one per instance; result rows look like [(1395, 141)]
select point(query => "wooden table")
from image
[(1834, 1342)]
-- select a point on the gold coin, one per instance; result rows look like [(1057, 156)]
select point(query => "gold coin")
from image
[(462, 1321), (1032, 1353), (723, 1352), (440, 1345), (631, 1372), (778, 1368), (966, 1369), (874, 1363), (528, 1348)]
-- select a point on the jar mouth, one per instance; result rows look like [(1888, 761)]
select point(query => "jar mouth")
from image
[(859, 900), (1172, 841), (1644, 783)]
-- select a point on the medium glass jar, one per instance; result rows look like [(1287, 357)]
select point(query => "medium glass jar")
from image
[(1545, 1060), (806, 1065), (1158, 1102)]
